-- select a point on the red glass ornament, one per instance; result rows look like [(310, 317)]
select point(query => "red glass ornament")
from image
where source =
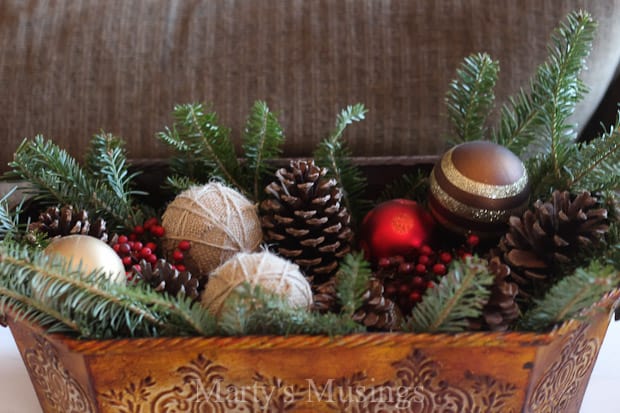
[(396, 227)]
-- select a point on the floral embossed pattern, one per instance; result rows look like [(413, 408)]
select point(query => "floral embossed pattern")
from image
[(418, 387), (560, 384), (61, 391)]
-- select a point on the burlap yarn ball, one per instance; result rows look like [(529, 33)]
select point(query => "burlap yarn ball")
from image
[(218, 222), (265, 269)]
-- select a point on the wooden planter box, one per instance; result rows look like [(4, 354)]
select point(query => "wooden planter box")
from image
[(375, 372)]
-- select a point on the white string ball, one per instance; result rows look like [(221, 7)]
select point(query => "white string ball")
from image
[(217, 220), (264, 269)]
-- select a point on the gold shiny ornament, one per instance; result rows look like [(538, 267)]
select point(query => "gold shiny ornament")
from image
[(89, 252), (476, 186)]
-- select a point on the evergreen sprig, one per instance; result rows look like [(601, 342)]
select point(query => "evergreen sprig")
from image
[(334, 154), (570, 296), (9, 217), (204, 148), (251, 310), (540, 116), (460, 295), (263, 140), (64, 297), (352, 281), (411, 185), (56, 177), (470, 97)]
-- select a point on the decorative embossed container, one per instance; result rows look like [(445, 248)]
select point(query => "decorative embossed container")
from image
[(469, 372)]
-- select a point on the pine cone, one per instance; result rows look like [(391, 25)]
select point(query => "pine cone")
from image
[(305, 219), (326, 297), (550, 236), (378, 312), (60, 222), (501, 309), (164, 278)]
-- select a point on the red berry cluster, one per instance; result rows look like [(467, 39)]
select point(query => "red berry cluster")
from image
[(142, 244), (406, 278)]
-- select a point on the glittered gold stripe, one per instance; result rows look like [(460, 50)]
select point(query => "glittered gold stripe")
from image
[(456, 178), (491, 216)]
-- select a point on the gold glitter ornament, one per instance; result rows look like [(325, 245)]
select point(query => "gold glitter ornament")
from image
[(265, 269), (218, 222), (476, 186)]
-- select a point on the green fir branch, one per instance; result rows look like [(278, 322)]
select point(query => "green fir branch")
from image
[(263, 139), (352, 281), (334, 154), (9, 217), (470, 97), (56, 177), (458, 297), (250, 310), (204, 149), (554, 92), (570, 296), (180, 183), (413, 185)]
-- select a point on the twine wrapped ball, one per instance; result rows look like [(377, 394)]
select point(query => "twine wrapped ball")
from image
[(264, 269), (476, 186), (217, 220)]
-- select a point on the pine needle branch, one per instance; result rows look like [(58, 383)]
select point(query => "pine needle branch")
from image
[(9, 220), (57, 178), (570, 296), (412, 185), (554, 92), (263, 139), (470, 97), (334, 154), (460, 295), (204, 148), (352, 281)]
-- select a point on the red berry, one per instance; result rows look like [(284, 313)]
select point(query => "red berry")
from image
[(152, 258), (473, 240), (124, 248), (426, 250), (445, 257), (423, 259), (415, 296), (184, 245), (403, 289), (439, 269), (133, 237), (157, 230), (116, 247), (150, 222), (177, 255), (465, 255), (127, 261), (151, 245), (420, 268), (384, 262), (418, 281), (390, 290), (145, 252), (430, 284), (138, 230), (122, 239), (181, 267), (405, 268), (137, 246)]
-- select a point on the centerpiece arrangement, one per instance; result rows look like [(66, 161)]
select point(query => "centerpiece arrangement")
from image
[(254, 272)]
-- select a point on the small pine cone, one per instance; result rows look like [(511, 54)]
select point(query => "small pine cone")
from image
[(502, 309), (326, 297), (549, 236), (164, 278), (378, 312), (60, 222), (305, 220)]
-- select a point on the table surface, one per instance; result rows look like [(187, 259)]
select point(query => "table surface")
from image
[(18, 396)]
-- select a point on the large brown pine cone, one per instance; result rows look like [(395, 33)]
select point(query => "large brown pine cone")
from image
[(60, 222), (162, 277), (378, 312), (550, 236), (305, 220)]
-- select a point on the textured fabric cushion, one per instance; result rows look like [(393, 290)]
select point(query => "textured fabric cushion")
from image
[(70, 68)]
